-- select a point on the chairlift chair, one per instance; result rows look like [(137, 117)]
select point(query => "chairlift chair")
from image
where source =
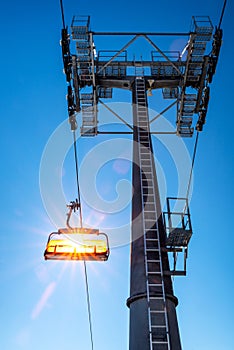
[(77, 244)]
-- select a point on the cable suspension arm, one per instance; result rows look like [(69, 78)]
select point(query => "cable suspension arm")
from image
[(77, 175)]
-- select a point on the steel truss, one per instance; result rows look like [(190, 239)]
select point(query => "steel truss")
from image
[(184, 79)]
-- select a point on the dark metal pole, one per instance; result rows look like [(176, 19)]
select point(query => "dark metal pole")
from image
[(143, 33), (139, 337), (137, 302)]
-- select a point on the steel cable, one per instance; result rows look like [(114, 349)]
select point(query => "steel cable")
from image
[(85, 267)]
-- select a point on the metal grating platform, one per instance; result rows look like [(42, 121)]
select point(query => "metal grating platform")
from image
[(104, 92), (178, 237), (116, 69), (170, 93), (80, 27)]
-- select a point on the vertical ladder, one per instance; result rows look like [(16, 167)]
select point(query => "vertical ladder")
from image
[(139, 69), (157, 311)]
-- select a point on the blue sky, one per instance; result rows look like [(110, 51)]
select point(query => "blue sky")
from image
[(43, 304)]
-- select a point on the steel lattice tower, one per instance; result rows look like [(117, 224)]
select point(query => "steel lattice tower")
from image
[(184, 80)]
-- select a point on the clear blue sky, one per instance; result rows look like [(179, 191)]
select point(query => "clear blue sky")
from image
[(43, 304)]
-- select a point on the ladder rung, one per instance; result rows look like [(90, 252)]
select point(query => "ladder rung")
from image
[(154, 272), (151, 250), (155, 284), (159, 342), (158, 311), (145, 165), (156, 298)]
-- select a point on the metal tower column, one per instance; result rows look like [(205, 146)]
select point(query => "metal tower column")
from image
[(153, 321)]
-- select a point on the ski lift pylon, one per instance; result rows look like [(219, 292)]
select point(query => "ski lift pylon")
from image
[(77, 244)]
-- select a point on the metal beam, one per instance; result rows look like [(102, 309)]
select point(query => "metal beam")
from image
[(162, 53), (115, 132), (142, 63), (165, 110), (118, 53), (143, 33), (163, 132), (115, 114)]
